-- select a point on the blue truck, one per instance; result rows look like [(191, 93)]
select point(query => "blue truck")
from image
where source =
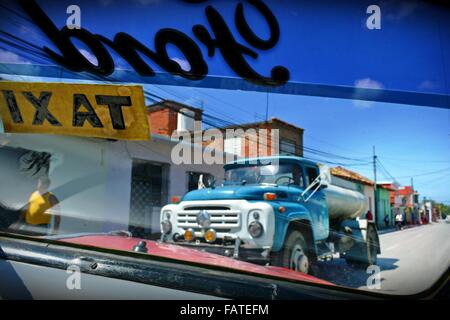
[(279, 210)]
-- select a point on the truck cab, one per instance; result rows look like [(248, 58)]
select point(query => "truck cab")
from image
[(269, 210)]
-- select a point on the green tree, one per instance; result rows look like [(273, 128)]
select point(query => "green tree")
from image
[(445, 210)]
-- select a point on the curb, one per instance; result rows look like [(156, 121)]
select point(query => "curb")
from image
[(404, 228)]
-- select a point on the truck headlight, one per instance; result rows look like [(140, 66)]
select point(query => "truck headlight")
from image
[(166, 227), (189, 235), (255, 229), (210, 236)]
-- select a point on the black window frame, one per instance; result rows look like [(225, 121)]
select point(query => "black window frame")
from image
[(306, 174), (188, 174)]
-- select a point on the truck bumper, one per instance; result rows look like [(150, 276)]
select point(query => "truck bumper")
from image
[(254, 255)]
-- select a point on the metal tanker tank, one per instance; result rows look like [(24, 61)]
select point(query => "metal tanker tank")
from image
[(342, 203)]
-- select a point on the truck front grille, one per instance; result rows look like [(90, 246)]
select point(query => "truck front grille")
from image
[(222, 218)]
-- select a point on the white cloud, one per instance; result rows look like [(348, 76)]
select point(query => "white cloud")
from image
[(183, 64), (10, 57), (366, 83)]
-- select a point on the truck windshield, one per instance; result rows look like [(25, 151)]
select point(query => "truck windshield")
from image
[(280, 174)]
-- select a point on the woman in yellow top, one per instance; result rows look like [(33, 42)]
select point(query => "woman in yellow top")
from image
[(41, 206)]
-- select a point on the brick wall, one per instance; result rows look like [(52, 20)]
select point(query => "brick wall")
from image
[(163, 122), (257, 140)]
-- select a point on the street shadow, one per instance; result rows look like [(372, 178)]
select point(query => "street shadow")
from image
[(12, 286), (339, 272)]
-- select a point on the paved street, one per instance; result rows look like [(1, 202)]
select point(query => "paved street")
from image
[(411, 260)]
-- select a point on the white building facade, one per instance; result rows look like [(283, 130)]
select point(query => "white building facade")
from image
[(102, 185)]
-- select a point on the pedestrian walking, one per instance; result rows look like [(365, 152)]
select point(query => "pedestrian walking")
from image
[(369, 215), (398, 221)]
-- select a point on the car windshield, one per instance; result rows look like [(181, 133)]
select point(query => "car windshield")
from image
[(280, 174), (142, 129)]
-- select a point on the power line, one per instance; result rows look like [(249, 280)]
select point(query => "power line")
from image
[(426, 174), (229, 104), (415, 160), (232, 123), (208, 119), (266, 145), (333, 155), (335, 146), (433, 181), (213, 120), (220, 123), (385, 171)]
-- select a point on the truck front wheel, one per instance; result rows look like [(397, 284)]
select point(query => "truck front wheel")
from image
[(294, 254)]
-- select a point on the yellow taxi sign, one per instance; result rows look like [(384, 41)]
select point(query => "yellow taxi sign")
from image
[(87, 110)]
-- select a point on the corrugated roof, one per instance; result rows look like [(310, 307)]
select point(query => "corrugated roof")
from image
[(350, 175), (385, 186), (405, 191), (388, 186)]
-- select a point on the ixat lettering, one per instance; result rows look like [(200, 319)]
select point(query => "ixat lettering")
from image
[(82, 109), (220, 39)]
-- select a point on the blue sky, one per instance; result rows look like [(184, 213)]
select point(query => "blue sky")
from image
[(409, 140), (321, 41)]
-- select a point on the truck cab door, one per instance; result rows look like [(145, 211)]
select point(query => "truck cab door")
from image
[(316, 204)]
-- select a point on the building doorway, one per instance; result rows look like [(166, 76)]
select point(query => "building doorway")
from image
[(148, 196)]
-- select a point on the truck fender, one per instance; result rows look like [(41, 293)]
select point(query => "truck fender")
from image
[(289, 220)]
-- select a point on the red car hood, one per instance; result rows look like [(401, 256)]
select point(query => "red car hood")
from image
[(189, 255)]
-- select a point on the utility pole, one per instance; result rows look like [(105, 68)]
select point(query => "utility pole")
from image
[(375, 185), (413, 202), (267, 105)]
